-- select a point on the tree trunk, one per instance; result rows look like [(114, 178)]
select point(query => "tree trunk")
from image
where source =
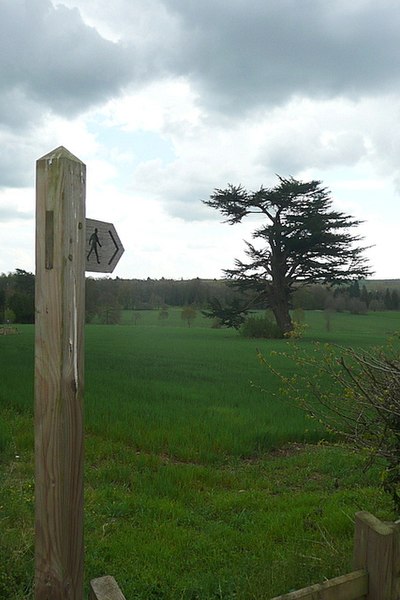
[(279, 302), (283, 318)]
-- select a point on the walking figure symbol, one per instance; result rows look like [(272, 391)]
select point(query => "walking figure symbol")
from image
[(93, 243)]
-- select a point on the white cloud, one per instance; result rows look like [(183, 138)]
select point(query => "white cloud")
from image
[(159, 106), (166, 100)]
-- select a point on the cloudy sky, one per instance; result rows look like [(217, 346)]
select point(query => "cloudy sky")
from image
[(165, 100)]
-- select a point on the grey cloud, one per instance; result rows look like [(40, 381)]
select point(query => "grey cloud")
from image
[(239, 55), (247, 54), (17, 111), (18, 158), (50, 58)]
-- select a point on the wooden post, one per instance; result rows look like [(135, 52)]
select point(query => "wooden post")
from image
[(59, 338), (376, 549), (105, 588)]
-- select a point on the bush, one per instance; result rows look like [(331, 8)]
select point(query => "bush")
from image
[(109, 315), (355, 394), (297, 332), (188, 314), (216, 323), (357, 307), (260, 327)]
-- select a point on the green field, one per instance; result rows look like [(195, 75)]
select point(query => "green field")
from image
[(201, 481)]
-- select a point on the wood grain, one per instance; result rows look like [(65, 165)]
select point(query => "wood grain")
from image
[(353, 586), (105, 588), (59, 376)]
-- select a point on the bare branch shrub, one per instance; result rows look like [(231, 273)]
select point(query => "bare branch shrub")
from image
[(355, 394)]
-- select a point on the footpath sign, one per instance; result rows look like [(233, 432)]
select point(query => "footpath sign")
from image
[(64, 250), (103, 247)]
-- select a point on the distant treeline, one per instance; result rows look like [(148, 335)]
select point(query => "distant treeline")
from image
[(106, 297), (357, 297), (17, 297)]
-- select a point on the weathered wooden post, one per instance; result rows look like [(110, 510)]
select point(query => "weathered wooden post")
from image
[(376, 549), (105, 588), (59, 375)]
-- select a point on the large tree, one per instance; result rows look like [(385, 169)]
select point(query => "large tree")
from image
[(303, 241)]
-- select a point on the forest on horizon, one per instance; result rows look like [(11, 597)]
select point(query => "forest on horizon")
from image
[(106, 296)]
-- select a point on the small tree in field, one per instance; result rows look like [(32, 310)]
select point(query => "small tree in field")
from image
[(303, 241), (136, 316), (163, 314), (109, 315), (188, 314)]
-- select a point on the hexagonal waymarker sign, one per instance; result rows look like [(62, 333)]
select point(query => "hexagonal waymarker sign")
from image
[(103, 247)]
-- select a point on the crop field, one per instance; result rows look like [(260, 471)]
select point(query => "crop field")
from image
[(201, 480)]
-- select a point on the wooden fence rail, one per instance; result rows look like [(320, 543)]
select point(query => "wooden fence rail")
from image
[(376, 563), (353, 586)]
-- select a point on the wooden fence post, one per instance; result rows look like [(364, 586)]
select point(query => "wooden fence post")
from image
[(105, 588), (376, 549), (59, 338)]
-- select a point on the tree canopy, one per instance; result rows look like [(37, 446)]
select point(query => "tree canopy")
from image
[(303, 241)]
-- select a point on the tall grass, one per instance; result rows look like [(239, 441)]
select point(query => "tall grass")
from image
[(195, 394), (201, 482)]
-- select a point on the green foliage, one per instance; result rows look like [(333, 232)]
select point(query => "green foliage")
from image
[(311, 297), (354, 394), (188, 315), (260, 327), (9, 316), (23, 307), (232, 315), (297, 331), (150, 294), (109, 315), (299, 326), (18, 295)]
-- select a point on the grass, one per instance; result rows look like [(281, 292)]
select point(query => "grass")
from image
[(200, 481), (191, 393)]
